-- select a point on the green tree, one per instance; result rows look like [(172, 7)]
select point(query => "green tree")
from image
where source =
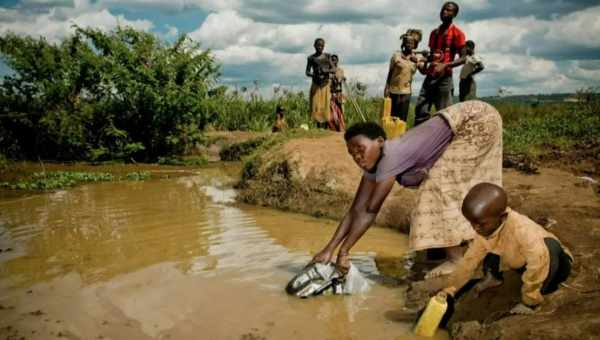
[(104, 95)]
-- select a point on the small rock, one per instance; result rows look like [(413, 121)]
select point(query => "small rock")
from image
[(588, 179), (37, 313)]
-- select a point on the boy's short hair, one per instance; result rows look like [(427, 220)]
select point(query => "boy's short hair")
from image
[(335, 56), (370, 130), (279, 109), (453, 4), (319, 39), (470, 44), (414, 33)]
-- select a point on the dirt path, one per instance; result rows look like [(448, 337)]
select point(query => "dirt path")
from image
[(317, 177)]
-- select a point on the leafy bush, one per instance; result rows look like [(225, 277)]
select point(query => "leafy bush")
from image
[(118, 95)]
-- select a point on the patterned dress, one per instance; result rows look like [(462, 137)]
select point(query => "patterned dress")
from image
[(473, 156)]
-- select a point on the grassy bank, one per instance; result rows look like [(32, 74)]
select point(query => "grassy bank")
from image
[(534, 132)]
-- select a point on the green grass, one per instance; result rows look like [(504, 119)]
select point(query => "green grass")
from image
[(234, 113), (529, 129), (532, 129)]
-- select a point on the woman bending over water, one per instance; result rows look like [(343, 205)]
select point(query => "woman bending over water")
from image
[(444, 157)]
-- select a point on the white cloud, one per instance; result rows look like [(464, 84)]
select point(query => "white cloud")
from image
[(172, 32), (581, 70), (362, 41), (579, 28), (170, 5), (502, 35), (54, 27)]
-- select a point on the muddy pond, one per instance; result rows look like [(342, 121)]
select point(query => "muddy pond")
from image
[(179, 259)]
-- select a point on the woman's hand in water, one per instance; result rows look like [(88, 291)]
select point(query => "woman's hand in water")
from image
[(324, 256)]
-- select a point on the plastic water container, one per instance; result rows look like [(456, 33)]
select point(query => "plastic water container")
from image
[(430, 319), (387, 107), (394, 127)]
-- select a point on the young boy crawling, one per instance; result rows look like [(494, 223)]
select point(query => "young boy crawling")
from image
[(508, 240)]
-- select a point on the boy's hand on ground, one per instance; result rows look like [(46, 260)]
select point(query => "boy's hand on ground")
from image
[(521, 309)]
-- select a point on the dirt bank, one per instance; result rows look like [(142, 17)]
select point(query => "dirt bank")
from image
[(216, 141), (317, 177)]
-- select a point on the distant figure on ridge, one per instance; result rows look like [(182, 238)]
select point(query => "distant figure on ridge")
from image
[(336, 121), (319, 68), (280, 124)]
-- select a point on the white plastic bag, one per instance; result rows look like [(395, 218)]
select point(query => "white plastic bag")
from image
[(323, 278)]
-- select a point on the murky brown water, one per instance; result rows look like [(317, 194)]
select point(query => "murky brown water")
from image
[(174, 259)]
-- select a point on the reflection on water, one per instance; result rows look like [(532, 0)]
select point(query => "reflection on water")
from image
[(119, 234)]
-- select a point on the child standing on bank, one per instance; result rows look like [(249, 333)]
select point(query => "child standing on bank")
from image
[(467, 89), (280, 123), (403, 66)]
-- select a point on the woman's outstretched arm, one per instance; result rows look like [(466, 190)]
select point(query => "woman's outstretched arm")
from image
[(367, 202), (363, 217)]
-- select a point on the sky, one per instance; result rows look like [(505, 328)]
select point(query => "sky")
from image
[(528, 46)]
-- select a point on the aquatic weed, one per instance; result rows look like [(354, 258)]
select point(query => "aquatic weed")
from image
[(45, 181), (138, 176)]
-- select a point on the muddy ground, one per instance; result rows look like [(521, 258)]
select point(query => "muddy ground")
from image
[(316, 176)]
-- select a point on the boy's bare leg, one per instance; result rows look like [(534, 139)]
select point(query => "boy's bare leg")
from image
[(489, 281)]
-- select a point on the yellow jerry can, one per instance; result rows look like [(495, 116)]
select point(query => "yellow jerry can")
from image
[(430, 319), (394, 127), (387, 107)]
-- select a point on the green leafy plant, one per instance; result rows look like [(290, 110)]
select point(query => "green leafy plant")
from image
[(123, 94)]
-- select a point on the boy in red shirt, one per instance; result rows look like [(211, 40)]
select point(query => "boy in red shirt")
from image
[(445, 42)]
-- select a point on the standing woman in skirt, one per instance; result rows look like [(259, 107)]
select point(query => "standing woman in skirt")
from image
[(319, 68)]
